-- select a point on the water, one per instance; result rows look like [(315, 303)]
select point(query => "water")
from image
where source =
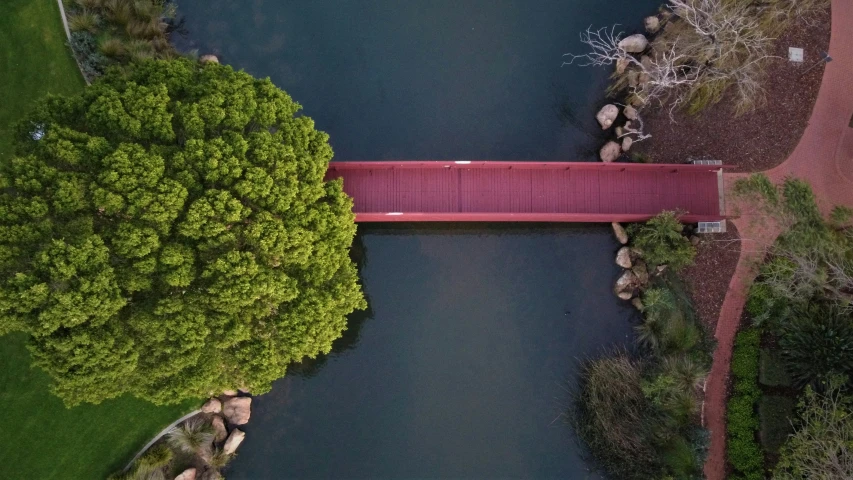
[(463, 365)]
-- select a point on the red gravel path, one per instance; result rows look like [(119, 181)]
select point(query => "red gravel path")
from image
[(823, 157)]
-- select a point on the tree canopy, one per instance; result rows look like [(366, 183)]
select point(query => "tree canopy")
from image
[(168, 233)]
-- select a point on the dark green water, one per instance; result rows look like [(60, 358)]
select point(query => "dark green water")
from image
[(464, 362)]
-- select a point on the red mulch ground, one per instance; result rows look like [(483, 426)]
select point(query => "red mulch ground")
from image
[(708, 278), (758, 140)]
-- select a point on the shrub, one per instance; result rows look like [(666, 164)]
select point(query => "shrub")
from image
[(85, 50), (772, 371), (113, 48), (817, 343), (83, 22), (612, 416), (744, 453), (820, 447), (661, 241), (775, 413)]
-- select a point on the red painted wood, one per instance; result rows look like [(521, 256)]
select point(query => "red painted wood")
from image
[(439, 191)]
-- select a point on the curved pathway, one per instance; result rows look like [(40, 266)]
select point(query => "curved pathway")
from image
[(823, 157)]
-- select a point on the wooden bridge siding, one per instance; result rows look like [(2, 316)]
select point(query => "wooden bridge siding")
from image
[(527, 191)]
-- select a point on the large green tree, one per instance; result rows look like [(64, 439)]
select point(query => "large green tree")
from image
[(168, 233)]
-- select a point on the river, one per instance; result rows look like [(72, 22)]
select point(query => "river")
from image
[(467, 357)]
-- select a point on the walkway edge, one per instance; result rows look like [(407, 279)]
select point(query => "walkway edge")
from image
[(160, 435), (68, 36)]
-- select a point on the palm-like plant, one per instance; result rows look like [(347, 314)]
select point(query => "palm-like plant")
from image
[(817, 343), (193, 436)]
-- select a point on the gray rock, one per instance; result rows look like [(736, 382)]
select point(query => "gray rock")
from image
[(610, 152), (623, 258), (237, 410), (624, 287), (209, 59), (695, 241), (234, 441), (620, 233), (641, 273), (630, 113), (229, 393), (220, 433), (626, 143), (634, 43), (652, 24), (213, 405), (607, 115), (188, 474)]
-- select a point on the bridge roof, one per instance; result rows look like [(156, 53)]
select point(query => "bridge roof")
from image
[(436, 191)]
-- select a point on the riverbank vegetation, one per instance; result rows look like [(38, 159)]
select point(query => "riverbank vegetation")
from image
[(111, 32), (171, 236), (801, 343), (638, 414)]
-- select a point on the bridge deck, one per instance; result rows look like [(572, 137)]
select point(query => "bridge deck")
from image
[(528, 191)]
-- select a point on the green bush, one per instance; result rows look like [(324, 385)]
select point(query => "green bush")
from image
[(85, 49), (772, 372), (743, 451), (661, 241), (775, 412), (817, 343)]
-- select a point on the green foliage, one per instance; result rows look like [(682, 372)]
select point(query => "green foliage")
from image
[(817, 343), (128, 30), (191, 437), (661, 241), (613, 417), (772, 369), (775, 413), (820, 448), (742, 449), (85, 49), (171, 235)]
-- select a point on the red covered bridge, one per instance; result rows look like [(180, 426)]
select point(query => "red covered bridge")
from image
[(472, 191)]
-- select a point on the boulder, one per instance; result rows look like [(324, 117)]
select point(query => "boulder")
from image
[(208, 59), (619, 131), (213, 405), (623, 257), (652, 24), (621, 65), (636, 253), (237, 410), (607, 115), (234, 441), (637, 303), (630, 113), (626, 143), (624, 287), (641, 272), (620, 233), (188, 474), (229, 393), (695, 241), (634, 43), (220, 433), (610, 152)]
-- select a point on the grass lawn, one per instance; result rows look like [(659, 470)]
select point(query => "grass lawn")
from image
[(34, 60), (42, 439)]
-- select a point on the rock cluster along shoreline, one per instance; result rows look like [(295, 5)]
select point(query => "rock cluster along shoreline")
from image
[(224, 414), (607, 116), (635, 274)]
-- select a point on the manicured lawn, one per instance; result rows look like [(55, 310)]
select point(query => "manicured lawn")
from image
[(41, 438), (34, 60), (44, 440)]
